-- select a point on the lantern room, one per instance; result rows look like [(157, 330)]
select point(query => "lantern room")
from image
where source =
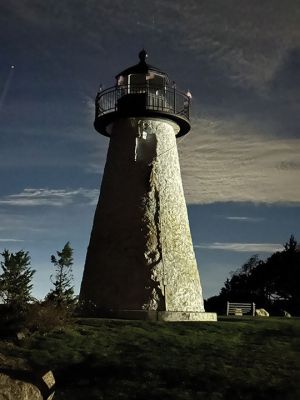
[(142, 91), (143, 75)]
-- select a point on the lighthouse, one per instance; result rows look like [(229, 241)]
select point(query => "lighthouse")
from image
[(140, 261)]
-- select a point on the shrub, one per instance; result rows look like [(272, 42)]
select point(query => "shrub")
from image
[(46, 316)]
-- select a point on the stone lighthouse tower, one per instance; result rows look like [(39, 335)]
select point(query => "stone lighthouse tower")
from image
[(140, 261)]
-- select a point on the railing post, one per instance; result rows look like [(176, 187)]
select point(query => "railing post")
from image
[(227, 309), (174, 99), (147, 97)]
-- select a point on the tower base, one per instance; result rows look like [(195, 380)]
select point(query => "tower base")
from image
[(168, 316), (173, 316)]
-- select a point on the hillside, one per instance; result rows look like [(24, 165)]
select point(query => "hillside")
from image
[(246, 358)]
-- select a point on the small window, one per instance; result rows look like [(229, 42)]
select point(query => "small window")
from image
[(136, 81), (157, 82)]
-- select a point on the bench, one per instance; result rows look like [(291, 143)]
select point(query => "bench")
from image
[(240, 309)]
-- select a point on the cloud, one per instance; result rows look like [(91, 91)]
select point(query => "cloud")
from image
[(224, 159), (242, 247), (11, 240), (51, 197), (14, 221), (246, 219), (91, 23), (249, 39), (229, 160)]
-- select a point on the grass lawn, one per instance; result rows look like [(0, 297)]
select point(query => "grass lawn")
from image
[(234, 358)]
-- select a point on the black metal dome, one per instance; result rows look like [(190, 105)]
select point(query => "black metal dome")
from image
[(142, 67)]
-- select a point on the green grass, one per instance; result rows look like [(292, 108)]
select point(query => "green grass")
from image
[(246, 358)]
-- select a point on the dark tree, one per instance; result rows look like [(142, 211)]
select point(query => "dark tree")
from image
[(63, 292), (16, 279), (285, 270), (242, 287), (271, 284), (291, 245)]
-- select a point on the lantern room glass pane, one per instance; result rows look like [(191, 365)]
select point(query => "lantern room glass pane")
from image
[(136, 83), (158, 81)]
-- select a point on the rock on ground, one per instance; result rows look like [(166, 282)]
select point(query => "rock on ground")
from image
[(287, 314), (261, 312), (13, 389), (19, 382)]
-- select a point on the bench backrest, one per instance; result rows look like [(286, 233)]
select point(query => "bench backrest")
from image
[(240, 308)]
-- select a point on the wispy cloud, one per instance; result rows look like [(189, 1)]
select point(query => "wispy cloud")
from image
[(233, 34), (228, 160), (246, 219), (51, 197), (249, 38), (242, 247), (13, 222), (10, 240)]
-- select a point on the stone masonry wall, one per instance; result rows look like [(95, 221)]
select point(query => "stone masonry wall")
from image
[(140, 254)]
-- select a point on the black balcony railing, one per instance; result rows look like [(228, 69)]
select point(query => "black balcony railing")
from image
[(164, 99)]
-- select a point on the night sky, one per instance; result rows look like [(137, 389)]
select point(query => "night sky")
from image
[(240, 163)]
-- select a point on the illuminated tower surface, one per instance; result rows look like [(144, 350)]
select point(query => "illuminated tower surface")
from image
[(140, 261)]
